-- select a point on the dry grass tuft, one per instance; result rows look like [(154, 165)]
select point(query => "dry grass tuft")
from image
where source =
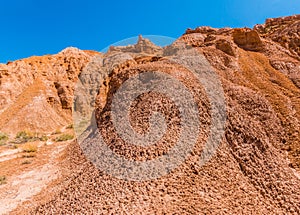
[(29, 148)]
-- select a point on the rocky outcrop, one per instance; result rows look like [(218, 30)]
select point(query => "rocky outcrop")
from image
[(143, 45), (247, 39), (283, 30), (35, 89)]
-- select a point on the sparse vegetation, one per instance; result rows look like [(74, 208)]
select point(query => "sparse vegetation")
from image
[(29, 148), (29, 155), (2, 179), (43, 138), (24, 135), (27, 136), (3, 138), (64, 137), (57, 131), (26, 162)]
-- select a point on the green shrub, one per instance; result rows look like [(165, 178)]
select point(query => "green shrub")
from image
[(64, 137), (25, 136)]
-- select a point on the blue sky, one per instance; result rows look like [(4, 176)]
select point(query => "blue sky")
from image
[(37, 27)]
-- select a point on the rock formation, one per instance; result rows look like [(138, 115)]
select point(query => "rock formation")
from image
[(283, 30), (36, 93), (143, 45)]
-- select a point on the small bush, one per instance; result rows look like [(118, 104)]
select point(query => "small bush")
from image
[(64, 137), (3, 138), (2, 179), (28, 148), (69, 126), (57, 131), (43, 138), (26, 162), (29, 155), (25, 136)]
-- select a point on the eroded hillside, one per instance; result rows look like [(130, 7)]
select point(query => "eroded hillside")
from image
[(257, 165)]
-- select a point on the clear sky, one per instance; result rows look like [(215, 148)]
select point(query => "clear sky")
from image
[(38, 27)]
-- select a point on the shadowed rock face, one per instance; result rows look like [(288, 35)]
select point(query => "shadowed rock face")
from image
[(256, 167), (247, 39)]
